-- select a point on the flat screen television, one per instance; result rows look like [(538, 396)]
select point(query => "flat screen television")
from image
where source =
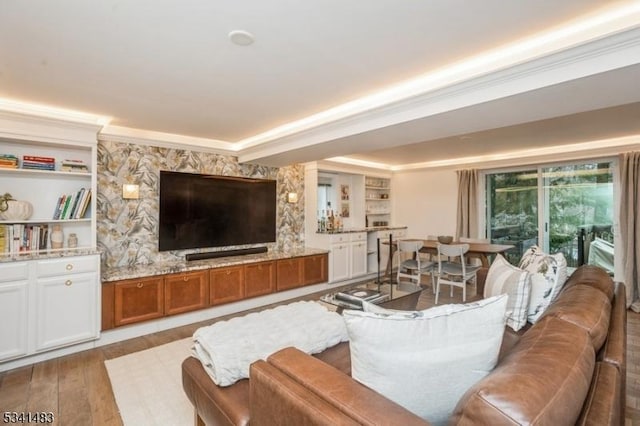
[(199, 210)]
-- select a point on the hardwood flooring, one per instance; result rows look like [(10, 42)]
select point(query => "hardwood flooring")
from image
[(76, 388)]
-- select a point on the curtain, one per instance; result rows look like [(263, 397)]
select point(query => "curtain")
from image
[(630, 224), (467, 216)]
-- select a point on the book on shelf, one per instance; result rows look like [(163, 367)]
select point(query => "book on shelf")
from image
[(38, 166), (38, 159), (358, 295), (65, 208), (72, 206), (84, 203), (8, 161), (74, 166), (20, 238)]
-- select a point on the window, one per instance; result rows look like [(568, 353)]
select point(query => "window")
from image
[(562, 208)]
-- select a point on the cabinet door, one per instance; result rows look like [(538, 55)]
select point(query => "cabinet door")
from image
[(339, 262), (226, 285), (358, 259), (289, 273), (138, 300), (13, 327), (67, 310), (260, 278), (315, 269), (186, 292)]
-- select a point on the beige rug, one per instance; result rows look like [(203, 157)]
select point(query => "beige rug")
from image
[(148, 385)]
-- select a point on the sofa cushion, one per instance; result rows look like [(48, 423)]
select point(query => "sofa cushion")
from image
[(504, 278), (592, 276), (543, 380), (426, 360), (548, 275), (587, 307)]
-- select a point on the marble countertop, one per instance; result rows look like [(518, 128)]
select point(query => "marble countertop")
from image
[(368, 229), (162, 268), (47, 254)]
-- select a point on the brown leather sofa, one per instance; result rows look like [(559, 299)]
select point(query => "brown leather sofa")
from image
[(568, 368)]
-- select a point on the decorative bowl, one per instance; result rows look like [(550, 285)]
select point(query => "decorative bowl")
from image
[(445, 239), (17, 210)]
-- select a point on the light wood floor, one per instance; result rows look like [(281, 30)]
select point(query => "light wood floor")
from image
[(76, 388)]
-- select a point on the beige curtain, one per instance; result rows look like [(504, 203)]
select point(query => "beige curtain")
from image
[(630, 224), (467, 216)]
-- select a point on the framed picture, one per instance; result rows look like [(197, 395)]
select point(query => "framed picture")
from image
[(344, 192), (344, 210)]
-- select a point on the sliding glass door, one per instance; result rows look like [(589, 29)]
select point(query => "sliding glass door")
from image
[(562, 208), (512, 210)]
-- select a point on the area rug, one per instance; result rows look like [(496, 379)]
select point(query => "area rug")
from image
[(148, 385)]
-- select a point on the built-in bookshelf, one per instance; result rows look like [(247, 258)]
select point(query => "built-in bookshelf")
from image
[(57, 177), (377, 200)]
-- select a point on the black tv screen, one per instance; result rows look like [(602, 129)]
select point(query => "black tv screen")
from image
[(198, 210)]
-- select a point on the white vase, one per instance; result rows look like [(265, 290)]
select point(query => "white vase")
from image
[(57, 237), (17, 210)]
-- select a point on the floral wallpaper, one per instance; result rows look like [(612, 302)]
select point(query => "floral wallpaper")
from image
[(128, 229)]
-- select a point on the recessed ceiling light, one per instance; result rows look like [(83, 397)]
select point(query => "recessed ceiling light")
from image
[(241, 37)]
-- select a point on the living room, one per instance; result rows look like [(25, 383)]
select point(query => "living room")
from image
[(545, 93)]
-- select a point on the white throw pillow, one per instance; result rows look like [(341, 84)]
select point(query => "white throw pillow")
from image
[(426, 360), (548, 275), (504, 278)]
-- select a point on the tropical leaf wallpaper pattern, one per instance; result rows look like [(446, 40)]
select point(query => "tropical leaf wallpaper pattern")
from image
[(128, 229)]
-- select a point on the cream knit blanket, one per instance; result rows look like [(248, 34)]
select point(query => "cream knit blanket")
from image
[(227, 348)]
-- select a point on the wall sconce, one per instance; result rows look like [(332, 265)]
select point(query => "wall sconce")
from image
[(130, 191), (292, 197)]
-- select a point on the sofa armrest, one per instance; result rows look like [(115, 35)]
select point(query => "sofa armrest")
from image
[(293, 387)]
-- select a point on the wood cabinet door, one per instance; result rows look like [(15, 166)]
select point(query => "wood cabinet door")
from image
[(315, 269), (260, 278), (186, 292), (289, 273), (226, 284), (138, 300)]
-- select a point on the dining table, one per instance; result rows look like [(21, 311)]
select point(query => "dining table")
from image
[(481, 251)]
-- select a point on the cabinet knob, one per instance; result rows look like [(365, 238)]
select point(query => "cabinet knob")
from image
[(69, 266), (185, 279), (139, 285), (68, 283), (228, 272)]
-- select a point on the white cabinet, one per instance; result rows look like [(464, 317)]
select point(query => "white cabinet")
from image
[(339, 262), (348, 256), (48, 303), (67, 304), (358, 248), (14, 309)]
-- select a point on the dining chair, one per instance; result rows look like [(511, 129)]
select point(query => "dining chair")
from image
[(474, 260), (415, 266), (455, 271)]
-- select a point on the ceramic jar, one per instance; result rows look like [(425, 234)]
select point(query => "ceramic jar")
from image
[(72, 242), (57, 237)]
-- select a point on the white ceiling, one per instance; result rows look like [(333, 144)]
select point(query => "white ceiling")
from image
[(168, 66)]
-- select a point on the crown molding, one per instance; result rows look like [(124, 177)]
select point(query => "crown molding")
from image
[(165, 140), (575, 151), (609, 52), (25, 126)]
